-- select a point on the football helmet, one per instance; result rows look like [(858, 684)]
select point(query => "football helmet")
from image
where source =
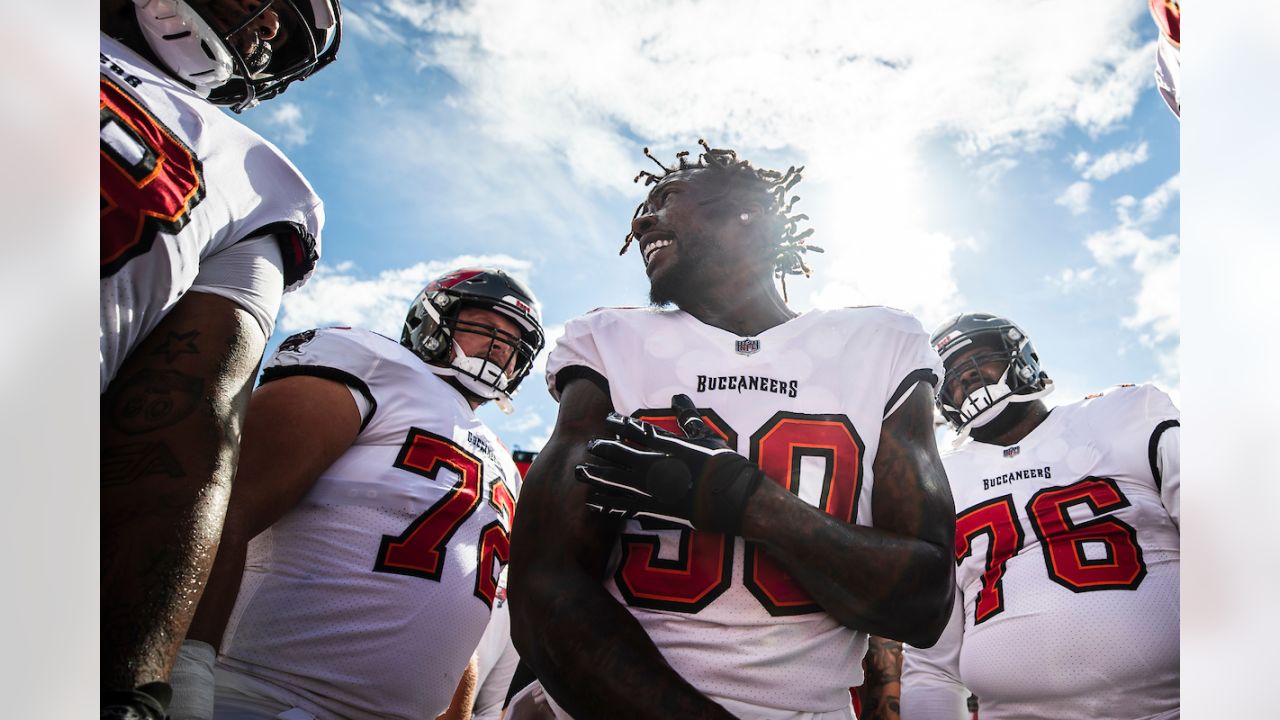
[(1023, 379), (433, 320), (183, 36)]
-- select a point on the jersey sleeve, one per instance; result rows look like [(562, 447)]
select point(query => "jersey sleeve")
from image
[(576, 355), (1137, 422), (250, 274), (279, 202), (931, 687), (335, 354), (912, 360)]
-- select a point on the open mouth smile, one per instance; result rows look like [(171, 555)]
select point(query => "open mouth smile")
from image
[(649, 248)]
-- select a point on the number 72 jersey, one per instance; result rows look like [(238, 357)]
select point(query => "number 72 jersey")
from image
[(368, 597), (1067, 551)]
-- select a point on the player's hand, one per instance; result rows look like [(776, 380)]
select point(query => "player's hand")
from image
[(694, 480)]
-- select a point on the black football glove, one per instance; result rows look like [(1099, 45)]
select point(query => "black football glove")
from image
[(695, 480), (146, 702)]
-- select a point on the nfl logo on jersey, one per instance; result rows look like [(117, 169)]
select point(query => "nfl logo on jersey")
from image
[(1012, 451), (746, 347)]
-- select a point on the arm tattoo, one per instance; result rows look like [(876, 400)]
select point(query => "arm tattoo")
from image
[(152, 399), (883, 685), (123, 464), (178, 344)]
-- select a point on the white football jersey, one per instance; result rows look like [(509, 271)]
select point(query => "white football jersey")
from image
[(1067, 550), (181, 180), (805, 401), (368, 598)]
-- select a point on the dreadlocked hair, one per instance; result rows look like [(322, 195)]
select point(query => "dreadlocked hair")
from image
[(790, 246)]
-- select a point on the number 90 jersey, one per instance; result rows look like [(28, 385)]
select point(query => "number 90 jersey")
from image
[(1067, 547), (367, 599), (181, 181), (805, 401)]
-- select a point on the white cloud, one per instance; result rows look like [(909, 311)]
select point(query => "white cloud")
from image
[(523, 421), (1070, 279), (286, 120), (1076, 197), (1154, 205), (338, 296), (855, 92), (910, 272), (1157, 309), (1116, 161), (1115, 90), (989, 174), (369, 26)]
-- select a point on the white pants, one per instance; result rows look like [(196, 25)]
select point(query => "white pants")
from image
[(238, 697)]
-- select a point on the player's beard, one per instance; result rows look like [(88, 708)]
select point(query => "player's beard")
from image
[(686, 272), (1001, 423)]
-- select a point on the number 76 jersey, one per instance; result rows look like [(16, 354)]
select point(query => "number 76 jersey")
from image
[(1067, 551)]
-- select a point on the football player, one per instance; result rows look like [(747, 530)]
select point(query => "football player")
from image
[(370, 516), (1067, 539), (1168, 17), (203, 226), (746, 550)]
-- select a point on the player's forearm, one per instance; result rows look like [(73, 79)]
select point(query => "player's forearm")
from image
[(882, 685), (170, 430), (220, 593), (884, 583), (592, 655), (464, 695), (151, 575)]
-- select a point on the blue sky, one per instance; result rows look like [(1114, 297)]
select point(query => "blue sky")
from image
[(1005, 157)]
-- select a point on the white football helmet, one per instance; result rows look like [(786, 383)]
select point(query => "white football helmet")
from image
[(183, 34)]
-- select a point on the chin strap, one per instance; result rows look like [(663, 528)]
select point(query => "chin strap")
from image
[(990, 401), (471, 384)]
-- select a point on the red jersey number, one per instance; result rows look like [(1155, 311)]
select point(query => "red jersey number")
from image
[(702, 568), (420, 550), (1065, 543), (149, 182)]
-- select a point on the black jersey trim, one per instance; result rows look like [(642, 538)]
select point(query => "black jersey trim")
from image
[(297, 248), (580, 372), (326, 373), (908, 382), (1153, 448)]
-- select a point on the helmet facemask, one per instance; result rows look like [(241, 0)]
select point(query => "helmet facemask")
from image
[(480, 374)]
